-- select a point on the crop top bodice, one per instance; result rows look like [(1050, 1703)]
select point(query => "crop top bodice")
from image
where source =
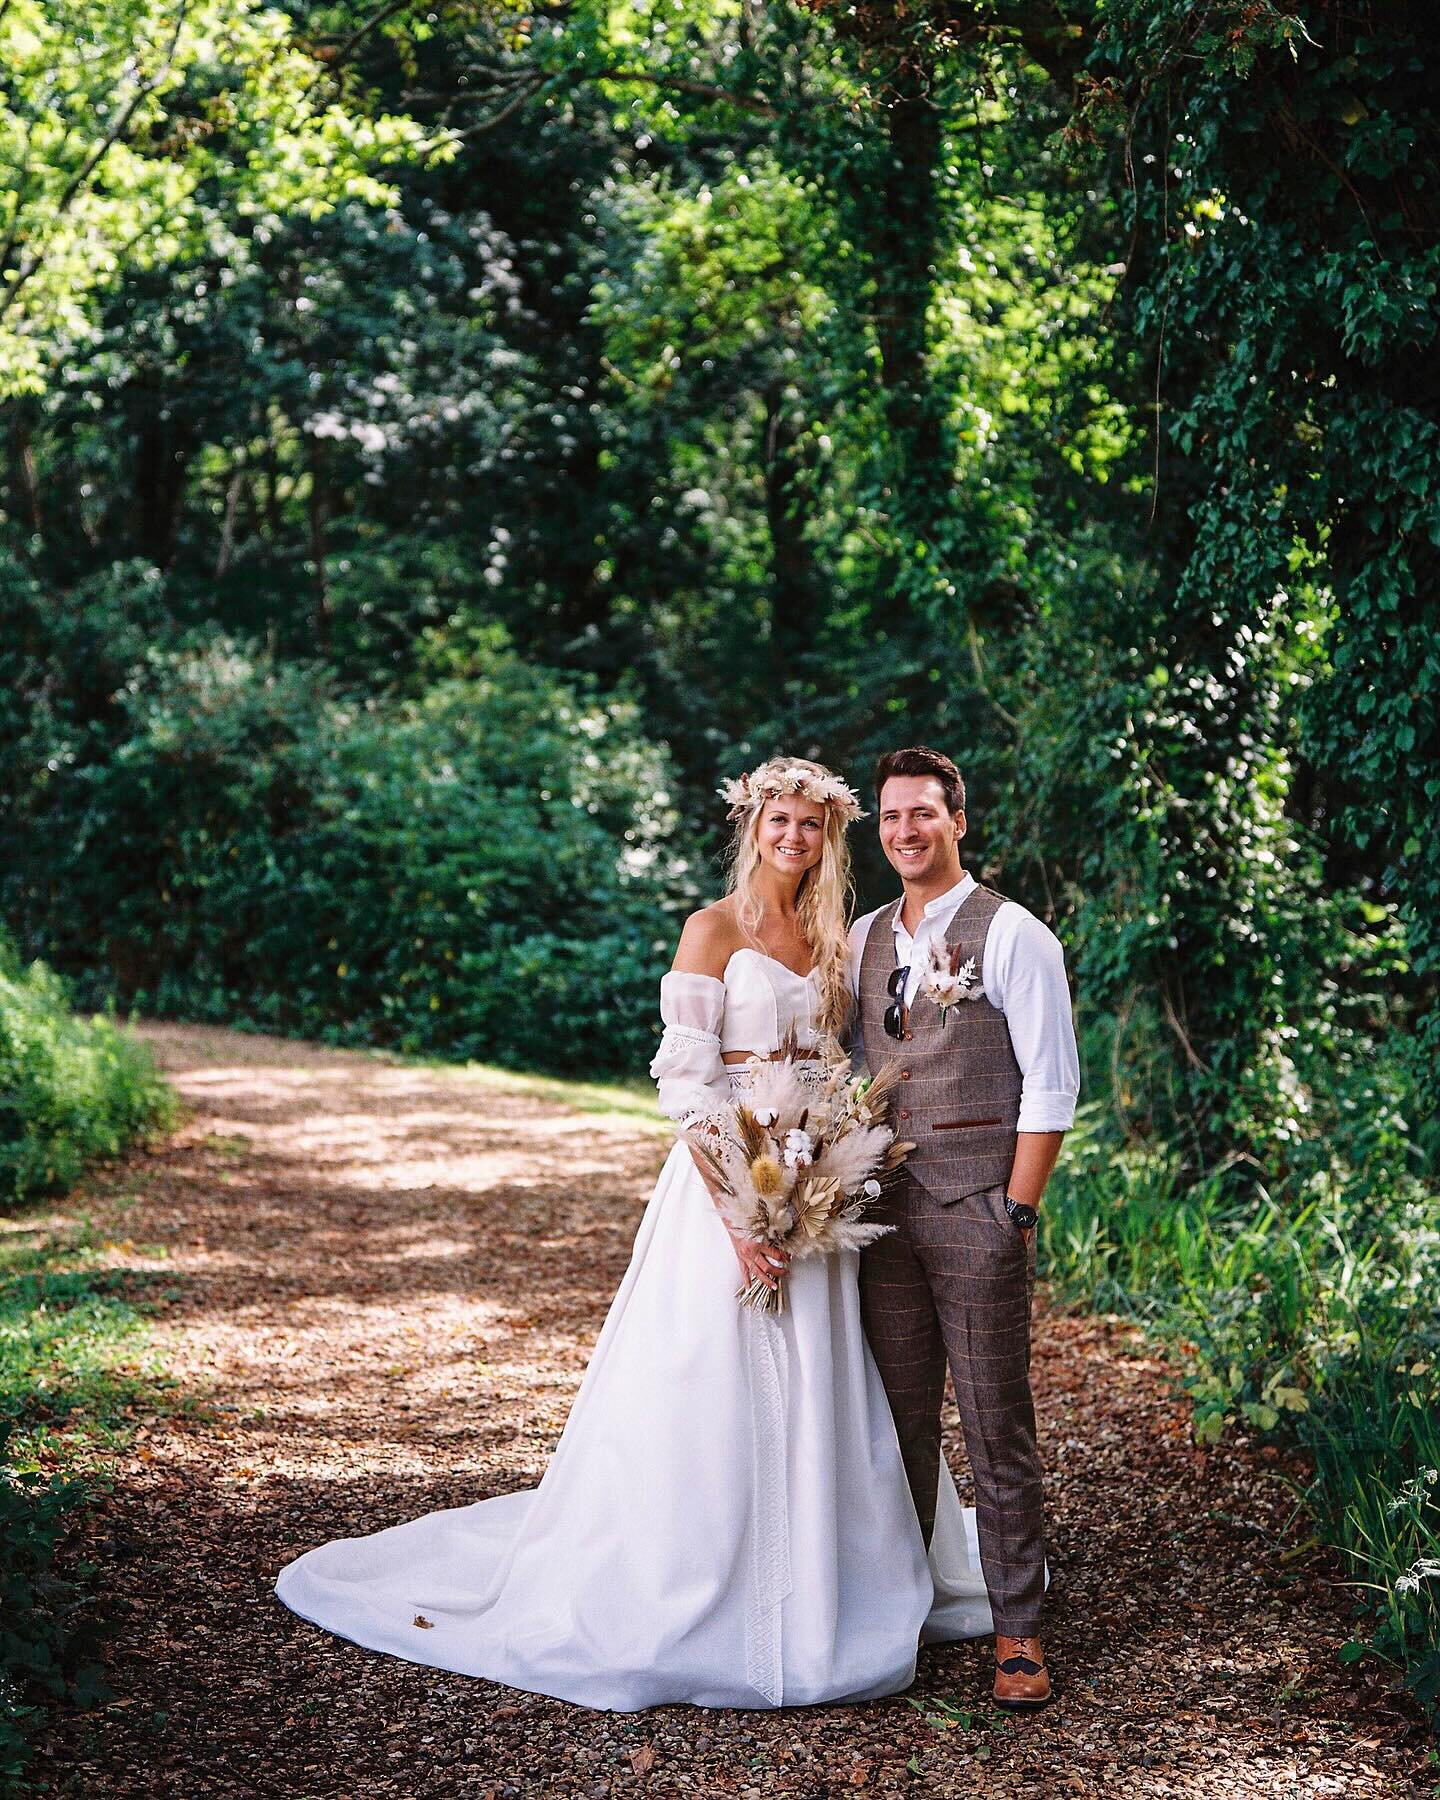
[(752, 1008)]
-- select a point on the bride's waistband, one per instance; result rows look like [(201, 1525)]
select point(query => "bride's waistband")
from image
[(737, 1059)]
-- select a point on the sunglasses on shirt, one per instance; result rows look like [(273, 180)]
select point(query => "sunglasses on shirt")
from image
[(895, 1012)]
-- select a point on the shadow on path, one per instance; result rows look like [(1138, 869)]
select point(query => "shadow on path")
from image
[(386, 1283)]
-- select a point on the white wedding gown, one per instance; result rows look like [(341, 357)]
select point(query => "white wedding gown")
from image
[(726, 1519)]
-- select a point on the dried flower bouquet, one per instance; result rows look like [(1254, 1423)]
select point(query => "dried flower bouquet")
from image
[(800, 1160)]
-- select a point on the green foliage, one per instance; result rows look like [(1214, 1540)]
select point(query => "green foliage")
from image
[(72, 1369), (1309, 1318), (484, 871), (118, 124), (48, 1642), (71, 1089), (1284, 173)]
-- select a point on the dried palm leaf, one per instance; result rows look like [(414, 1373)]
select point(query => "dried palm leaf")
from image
[(710, 1161)]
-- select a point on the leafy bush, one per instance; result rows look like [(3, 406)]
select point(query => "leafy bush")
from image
[(70, 1089), (1309, 1316), (486, 870), (74, 1368)]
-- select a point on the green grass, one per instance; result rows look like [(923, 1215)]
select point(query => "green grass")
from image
[(76, 1366), (75, 1361), (74, 1349), (71, 1089), (1309, 1317)]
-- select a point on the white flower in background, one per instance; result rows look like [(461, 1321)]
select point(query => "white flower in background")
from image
[(1425, 1569), (765, 1116)]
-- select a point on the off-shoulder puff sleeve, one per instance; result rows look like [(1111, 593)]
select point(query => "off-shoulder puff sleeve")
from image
[(692, 1078)]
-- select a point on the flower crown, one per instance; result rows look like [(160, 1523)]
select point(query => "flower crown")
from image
[(750, 792)]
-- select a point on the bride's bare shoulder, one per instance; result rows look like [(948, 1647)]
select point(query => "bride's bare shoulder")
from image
[(710, 938)]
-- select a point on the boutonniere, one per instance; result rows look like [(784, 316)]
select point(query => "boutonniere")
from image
[(946, 980)]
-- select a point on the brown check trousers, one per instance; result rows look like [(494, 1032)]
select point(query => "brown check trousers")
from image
[(953, 1282)]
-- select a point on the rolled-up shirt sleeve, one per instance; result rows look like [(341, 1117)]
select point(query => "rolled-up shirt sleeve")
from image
[(1024, 976)]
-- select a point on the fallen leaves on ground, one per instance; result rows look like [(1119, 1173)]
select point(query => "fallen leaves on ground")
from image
[(386, 1307)]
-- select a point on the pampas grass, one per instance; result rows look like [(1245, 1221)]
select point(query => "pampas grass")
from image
[(754, 1152)]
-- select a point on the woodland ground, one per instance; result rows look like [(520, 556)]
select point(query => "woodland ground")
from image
[(376, 1286)]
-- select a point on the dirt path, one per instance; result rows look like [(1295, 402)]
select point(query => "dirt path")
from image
[(385, 1282)]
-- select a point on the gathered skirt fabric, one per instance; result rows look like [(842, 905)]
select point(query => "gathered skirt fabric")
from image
[(725, 1521)]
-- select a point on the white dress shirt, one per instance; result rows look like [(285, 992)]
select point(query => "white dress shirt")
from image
[(1024, 977)]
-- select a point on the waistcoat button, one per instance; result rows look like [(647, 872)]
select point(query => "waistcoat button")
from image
[(904, 1112), (904, 1074), (908, 1036)]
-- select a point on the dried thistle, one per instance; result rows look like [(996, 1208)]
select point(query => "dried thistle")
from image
[(768, 1176)]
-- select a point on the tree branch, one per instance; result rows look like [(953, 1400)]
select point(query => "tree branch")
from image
[(1191, 1054), (512, 105), (346, 48), (702, 90), (87, 168)]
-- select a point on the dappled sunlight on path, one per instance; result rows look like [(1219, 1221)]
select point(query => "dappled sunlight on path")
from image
[(378, 1285)]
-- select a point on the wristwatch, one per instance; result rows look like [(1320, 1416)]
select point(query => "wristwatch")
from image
[(1024, 1218)]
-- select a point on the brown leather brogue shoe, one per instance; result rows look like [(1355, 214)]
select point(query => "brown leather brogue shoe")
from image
[(1022, 1682)]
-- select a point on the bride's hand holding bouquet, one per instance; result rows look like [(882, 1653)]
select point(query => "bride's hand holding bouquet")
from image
[(760, 1264), (795, 1166)]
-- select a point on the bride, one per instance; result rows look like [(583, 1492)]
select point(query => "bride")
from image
[(726, 1519)]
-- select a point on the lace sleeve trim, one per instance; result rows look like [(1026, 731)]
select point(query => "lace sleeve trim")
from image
[(688, 1034), (707, 1121)]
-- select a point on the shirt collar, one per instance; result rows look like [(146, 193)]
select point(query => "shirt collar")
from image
[(943, 905)]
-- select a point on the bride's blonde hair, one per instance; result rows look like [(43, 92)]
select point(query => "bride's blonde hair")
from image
[(822, 904)]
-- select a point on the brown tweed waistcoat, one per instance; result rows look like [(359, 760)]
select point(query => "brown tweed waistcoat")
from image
[(959, 1097)]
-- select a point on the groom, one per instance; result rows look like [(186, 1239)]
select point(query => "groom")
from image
[(986, 1092)]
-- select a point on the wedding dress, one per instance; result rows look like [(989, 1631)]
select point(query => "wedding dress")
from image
[(726, 1519)]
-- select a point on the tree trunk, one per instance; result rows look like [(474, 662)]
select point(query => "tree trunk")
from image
[(319, 506), (22, 468), (792, 602), (903, 247), (162, 456)]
